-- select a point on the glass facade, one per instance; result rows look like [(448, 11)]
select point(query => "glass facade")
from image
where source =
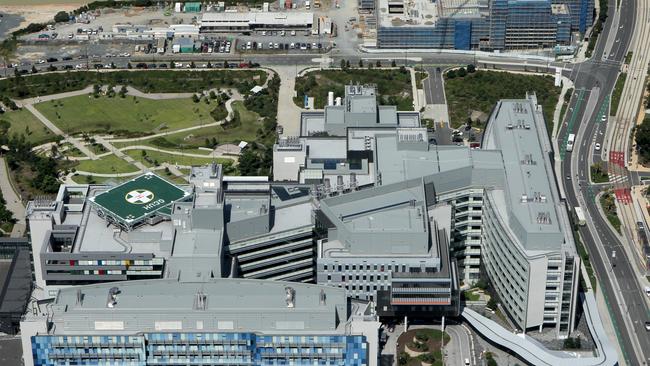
[(509, 24), (581, 12), (200, 349)]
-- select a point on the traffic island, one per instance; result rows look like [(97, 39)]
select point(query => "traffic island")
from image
[(421, 347)]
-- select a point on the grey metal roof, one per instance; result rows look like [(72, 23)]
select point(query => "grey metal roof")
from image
[(229, 305), (462, 167), (358, 109), (517, 128), (390, 219)]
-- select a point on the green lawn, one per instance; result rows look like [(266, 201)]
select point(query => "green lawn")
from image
[(393, 85), (480, 91), (246, 131), (156, 156), (23, 122), (471, 296), (616, 94), (106, 165), (607, 202), (599, 174), (128, 116)]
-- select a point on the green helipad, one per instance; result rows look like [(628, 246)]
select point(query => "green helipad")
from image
[(133, 201)]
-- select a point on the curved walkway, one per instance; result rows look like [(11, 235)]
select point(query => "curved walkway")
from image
[(213, 154), (535, 353)]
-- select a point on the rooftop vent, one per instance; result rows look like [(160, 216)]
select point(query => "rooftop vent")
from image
[(201, 301), (544, 218)]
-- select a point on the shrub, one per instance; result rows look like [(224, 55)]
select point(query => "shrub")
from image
[(61, 17)]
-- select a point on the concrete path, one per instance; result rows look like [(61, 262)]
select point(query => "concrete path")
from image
[(566, 85), (120, 154), (288, 112), (14, 203), (155, 96), (47, 98), (213, 154), (58, 131)]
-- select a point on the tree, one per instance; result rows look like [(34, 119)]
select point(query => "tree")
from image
[(172, 65), (451, 74), (393, 64), (144, 153), (342, 64), (195, 98), (492, 303), (347, 64), (192, 65), (642, 137), (462, 72), (225, 64), (209, 65), (378, 63), (34, 71), (360, 63), (212, 94), (471, 68), (61, 17), (128, 66), (123, 91)]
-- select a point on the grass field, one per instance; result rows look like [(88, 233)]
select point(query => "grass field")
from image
[(128, 116), (23, 122), (480, 91), (107, 165), (393, 85), (193, 139), (156, 156)]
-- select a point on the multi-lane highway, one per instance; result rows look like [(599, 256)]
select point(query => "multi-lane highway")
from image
[(594, 81)]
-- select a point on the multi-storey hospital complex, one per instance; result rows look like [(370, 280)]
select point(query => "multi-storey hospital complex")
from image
[(364, 219), (479, 24)]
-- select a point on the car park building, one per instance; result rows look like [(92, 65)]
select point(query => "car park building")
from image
[(200, 321), (500, 199)]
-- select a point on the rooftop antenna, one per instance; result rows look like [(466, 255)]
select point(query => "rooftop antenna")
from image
[(80, 298), (322, 297), (290, 296), (112, 297)]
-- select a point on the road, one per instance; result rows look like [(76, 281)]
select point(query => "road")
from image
[(594, 80), (434, 89)]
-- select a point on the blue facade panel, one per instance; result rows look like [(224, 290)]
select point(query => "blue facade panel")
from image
[(462, 35), (200, 348)]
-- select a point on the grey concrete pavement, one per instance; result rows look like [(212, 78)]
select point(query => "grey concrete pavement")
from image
[(14, 203)]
